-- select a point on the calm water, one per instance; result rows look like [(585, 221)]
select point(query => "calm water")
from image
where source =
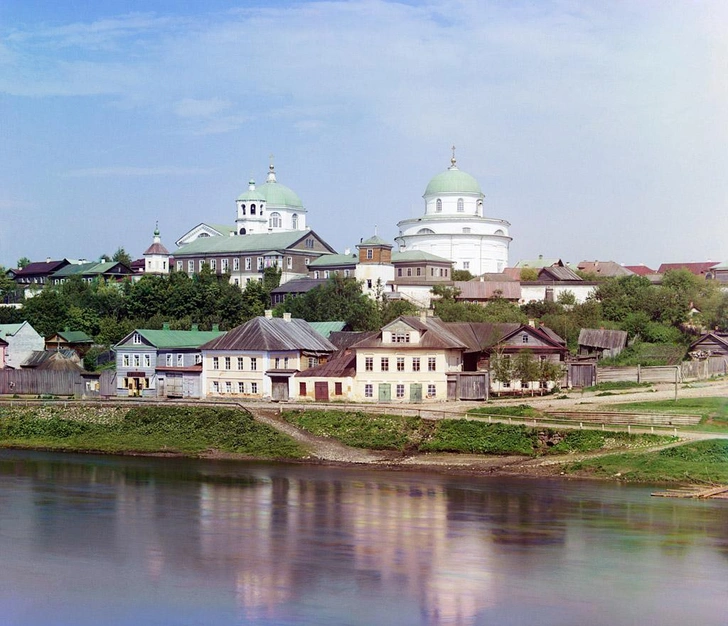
[(102, 540)]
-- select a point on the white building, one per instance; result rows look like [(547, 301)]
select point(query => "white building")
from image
[(455, 226), (156, 256)]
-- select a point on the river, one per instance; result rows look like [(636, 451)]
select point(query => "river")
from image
[(90, 540)]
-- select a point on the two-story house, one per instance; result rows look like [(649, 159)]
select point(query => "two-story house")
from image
[(259, 358), (162, 363), (22, 340)]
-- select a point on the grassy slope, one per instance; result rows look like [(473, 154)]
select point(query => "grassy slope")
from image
[(184, 430), (714, 411)]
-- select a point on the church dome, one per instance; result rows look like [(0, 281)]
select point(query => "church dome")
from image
[(452, 180), (280, 195)]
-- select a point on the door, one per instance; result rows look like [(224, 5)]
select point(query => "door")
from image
[(385, 392), (321, 391), (416, 392), (279, 391)]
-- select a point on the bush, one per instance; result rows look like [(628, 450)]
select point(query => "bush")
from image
[(481, 438)]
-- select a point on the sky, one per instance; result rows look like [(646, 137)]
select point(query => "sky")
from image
[(599, 130)]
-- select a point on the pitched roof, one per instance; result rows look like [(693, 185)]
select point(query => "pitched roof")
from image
[(694, 268), (93, 268), (249, 243), (272, 333), (41, 267), (75, 336), (558, 273), (299, 285), (375, 240), (326, 328), (8, 330), (347, 338), (640, 270), (341, 365), (433, 334), (604, 268), (413, 256), (55, 360), (162, 339), (539, 263), (156, 248), (335, 260), (602, 338)]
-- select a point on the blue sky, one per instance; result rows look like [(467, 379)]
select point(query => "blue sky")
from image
[(597, 129)]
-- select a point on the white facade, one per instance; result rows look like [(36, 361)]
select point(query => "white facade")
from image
[(22, 340), (272, 207), (455, 227)]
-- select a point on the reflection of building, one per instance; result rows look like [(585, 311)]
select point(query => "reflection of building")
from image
[(455, 227)]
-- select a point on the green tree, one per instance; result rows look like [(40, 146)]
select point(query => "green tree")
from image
[(23, 261), (525, 368), (528, 274), (122, 256), (501, 367), (462, 275)]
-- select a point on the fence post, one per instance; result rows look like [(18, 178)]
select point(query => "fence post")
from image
[(639, 372)]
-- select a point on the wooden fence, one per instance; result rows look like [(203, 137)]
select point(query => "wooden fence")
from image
[(51, 383), (619, 417)]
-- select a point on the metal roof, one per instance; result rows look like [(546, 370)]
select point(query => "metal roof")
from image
[(255, 242), (601, 338), (558, 273), (299, 285), (484, 290), (341, 365), (326, 328), (413, 256), (272, 333), (162, 339)]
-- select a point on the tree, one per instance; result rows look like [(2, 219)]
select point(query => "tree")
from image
[(502, 367), (462, 275), (525, 368), (528, 274), (549, 372), (23, 261), (122, 256)]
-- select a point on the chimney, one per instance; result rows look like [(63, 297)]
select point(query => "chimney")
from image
[(268, 314), (423, 317), (532, 323), (286, 317), (48, 259)]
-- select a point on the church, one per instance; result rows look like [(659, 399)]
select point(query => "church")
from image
[(455, 225)]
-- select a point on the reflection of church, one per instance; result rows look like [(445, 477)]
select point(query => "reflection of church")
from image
[(455, 226)]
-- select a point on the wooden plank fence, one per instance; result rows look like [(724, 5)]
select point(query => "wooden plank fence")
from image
[(623, 417), (40, 382)]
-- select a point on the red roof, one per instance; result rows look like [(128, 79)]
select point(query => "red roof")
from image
[(640, 270), (698, 269)]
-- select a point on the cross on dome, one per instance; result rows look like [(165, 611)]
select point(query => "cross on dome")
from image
[(453, 162)]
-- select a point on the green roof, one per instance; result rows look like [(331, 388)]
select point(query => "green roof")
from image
[(326, 328), (179, 338), (75, 336), (453, 180), (274, 194), (85, 269), (417, 255), (225, 229), (10, 329), (331, 260), (241, 243), (375, 241)]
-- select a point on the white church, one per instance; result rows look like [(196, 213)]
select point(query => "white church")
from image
[(455, 226)]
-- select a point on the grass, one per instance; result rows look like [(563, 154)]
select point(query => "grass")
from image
[(182, 430), (521, 410), (696, 462), (391, 432), (616, 385), (713, 411)]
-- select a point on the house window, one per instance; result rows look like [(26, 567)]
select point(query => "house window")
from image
[(461, 205), (125, 360), (370, 253), (369, 283), (248, 263), (179, 266), (294, 221), (368, 391), (431, 391), (346, 273), (252, 209), (180, 360), (213, 265), (326, 273), (466, 266), (409, 271), (506, 383), (466, 231), (137, 339), (191, 267), (338, 389), (431, 363), (306, 261), (253, 387), (236, 264), (260, 262), (419, 271), (369, 364), (215, 387), (400, 337), (315, 274), (309, 243), (524, 338), (169, 360), (228, 387), (201, 264), (400, 391), (400, 364), (215, 363), (253, 363), (301, 389), (312, 361), (438, 205), (241, 387), (399, 271), (198, 359), (240, 363), (278, 363), (227, 363), (384, 364), (285, 363), (225, 265), (274, 220), (415, 364), (137, 360), (289, 262)]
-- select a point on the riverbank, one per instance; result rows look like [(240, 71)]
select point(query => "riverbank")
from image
[(336, 438)]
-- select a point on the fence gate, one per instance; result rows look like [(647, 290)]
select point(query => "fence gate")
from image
[(582, 375)]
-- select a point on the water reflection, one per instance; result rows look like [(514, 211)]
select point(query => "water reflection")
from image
[(271, 544)]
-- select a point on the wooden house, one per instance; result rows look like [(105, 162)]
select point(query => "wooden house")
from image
[(711, 344), (601, 343), (75, 340), (22, 340)]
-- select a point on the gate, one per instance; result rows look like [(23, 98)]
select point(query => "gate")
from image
[(582, 375), (416, 392), (279, 391)]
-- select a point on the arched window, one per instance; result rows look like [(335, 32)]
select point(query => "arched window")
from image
[(425, 231), (438, 205), (461, 205), (242, 209), (294, 220), (242, 231), (274, 221), (252, 209), (499, 232)]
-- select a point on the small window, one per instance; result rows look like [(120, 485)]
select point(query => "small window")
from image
[(125, 360), (191, 267), (179, 266), (294, 221), (228, 387), (253, 363), (253, 387), (400, 364), (180, 360), (431, 391), (370, 253), (241, 387), (215, 363), (225, 265), (137, 361), (369, 363), (438, 205), (274, 220), (137, 339), (236, 264), (228, 364), (524, 338), (338, 389), (169, 360), (248, 264), (215, 386), (399, 271), (415, 364), (240, 363), (368, 391), (289, 262), (400, 391), (461, 205), (466, 231), (384, 364), (312, 361), (260, 262), (301, 389), (466, 265), (431, 363)]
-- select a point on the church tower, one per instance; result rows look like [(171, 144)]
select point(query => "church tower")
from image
[(156, 256)]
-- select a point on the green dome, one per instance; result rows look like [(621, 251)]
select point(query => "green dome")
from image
[(453, 180), (280, 195)]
